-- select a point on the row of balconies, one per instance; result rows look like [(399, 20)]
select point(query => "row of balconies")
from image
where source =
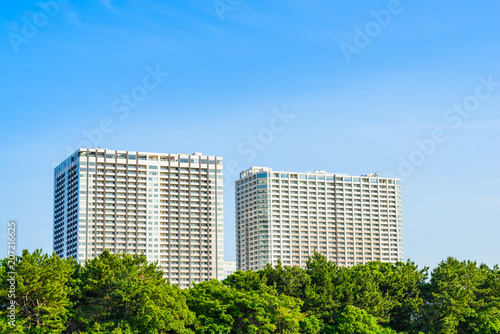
[(319, 191), (317, 202), (99, 247)]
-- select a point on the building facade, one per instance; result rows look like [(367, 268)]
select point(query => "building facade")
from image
[(288, 215), (167, 206), (229, 268)]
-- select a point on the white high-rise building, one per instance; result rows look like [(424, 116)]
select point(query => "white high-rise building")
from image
[(288, 216), (229, 268), (167, 206)]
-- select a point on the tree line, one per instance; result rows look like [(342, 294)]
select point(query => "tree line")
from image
[(125, 294)]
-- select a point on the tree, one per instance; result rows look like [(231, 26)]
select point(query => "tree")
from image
[(234, 308), (109, 328), (43, 289), (389, 292), (486, 316), (402, 283), (323, 295), (126, 289), (354, 320), (211, 302), (451, 298), (246, 280), (291, 281), (363, 291), (310, 325), (125, 294)]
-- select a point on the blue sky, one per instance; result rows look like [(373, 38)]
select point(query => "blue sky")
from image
[(390, 104)]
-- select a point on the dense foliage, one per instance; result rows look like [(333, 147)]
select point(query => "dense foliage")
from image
[(124, 294)]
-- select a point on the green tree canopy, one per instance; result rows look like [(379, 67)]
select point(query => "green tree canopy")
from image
[(125, 294), (233, 308), (126, 288)]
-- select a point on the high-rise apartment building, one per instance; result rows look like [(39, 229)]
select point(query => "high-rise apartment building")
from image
[(288, 216), (229, 268), (167, 206)]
